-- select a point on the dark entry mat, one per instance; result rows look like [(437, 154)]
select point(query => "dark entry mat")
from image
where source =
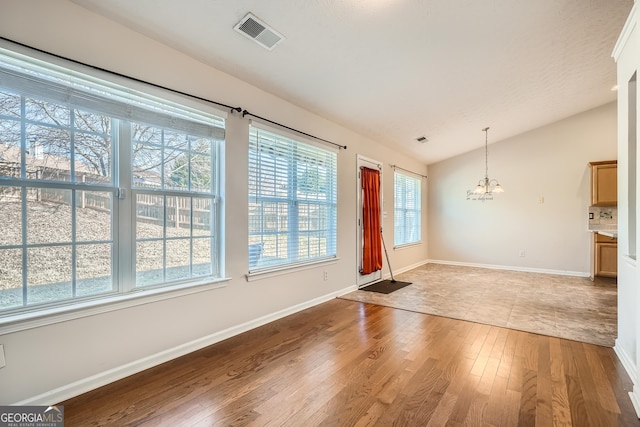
[(385, 286)]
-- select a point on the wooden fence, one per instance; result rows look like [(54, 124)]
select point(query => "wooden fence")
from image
[(150, 208)]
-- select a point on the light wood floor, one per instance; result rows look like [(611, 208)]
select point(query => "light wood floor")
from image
[(568, 307), (347, 363)]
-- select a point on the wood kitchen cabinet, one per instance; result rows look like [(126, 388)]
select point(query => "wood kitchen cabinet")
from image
[(604, 183), (604, 192), (605, 256)]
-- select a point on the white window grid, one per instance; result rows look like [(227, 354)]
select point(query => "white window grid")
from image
[(292, 202), (407, 209), (18, 182)]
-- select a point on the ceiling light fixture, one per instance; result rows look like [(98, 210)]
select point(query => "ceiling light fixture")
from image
[(487, 186)]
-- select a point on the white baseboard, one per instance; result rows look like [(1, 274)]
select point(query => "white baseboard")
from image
[(635, 400), (405, 269), (627, 362), (631, 369), (512, 268), (84, 385)]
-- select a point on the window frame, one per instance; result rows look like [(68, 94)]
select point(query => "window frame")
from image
[(124, 292), (295, 162), (400, 181)]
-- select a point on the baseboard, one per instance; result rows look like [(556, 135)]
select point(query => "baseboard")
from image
[(84, 385), (635, 400), (630, 367), (512, 268), (627, 362), (405, 269)]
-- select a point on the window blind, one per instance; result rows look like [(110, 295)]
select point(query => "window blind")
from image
[(406, 217), (106, 97), (292, 201), (68, 143)]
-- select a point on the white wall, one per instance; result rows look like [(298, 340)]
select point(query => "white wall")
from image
[(548, 162), (627, 55), (47, 364)]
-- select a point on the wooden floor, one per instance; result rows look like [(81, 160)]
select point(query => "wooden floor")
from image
[(347, 363)]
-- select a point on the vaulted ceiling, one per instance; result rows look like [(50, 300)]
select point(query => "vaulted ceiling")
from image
[(395, 70)]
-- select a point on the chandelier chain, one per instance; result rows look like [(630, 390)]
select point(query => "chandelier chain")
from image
[(486, 153), (487, 186)]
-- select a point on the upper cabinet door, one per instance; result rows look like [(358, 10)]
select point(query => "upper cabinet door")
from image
[(604, 183)]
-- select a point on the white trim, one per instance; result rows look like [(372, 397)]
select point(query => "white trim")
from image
[(407, 245), (630, 367), (625, 34), (409, 267), (631, 262), (635, 399), (84, 385), (626, 361), (362, 162), (76, 310), (289, 268), (512, 268)]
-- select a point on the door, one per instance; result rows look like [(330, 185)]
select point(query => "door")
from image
[(363, 162)]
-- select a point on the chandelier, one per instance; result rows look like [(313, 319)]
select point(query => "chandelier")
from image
[(487, 186)]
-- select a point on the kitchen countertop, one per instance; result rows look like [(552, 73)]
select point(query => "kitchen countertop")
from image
[(606, 231), (610, 233)]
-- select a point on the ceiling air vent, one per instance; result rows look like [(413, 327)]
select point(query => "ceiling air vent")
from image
[(252, 27)]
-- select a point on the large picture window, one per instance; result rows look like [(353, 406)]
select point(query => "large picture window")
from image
[(94, 175), (406, 215), (292, 201)]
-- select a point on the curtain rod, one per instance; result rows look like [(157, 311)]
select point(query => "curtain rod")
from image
[(407, 170), (247, 113), (84, 64), (231, 108)]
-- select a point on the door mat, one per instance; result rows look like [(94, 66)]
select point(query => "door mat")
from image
[(385, 286)]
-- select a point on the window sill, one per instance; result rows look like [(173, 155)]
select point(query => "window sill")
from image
[(48, 316), (279, 271), (407, 245)]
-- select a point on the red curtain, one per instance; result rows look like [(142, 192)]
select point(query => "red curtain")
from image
[(372, 245)]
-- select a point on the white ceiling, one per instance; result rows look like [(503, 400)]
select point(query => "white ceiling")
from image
[(394, 70)]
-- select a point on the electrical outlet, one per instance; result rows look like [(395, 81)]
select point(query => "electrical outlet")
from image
[(2, 359), (522, 252), (326, 275)]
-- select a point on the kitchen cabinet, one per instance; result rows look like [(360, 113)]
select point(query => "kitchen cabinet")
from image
[(604, 183), (604, 192), (605, 256)]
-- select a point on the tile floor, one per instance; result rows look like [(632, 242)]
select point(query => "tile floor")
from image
[(568, 307)]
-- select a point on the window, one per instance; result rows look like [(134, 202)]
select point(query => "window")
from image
[(173, 187), (93, 176), (292, 201), (406, 202)]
